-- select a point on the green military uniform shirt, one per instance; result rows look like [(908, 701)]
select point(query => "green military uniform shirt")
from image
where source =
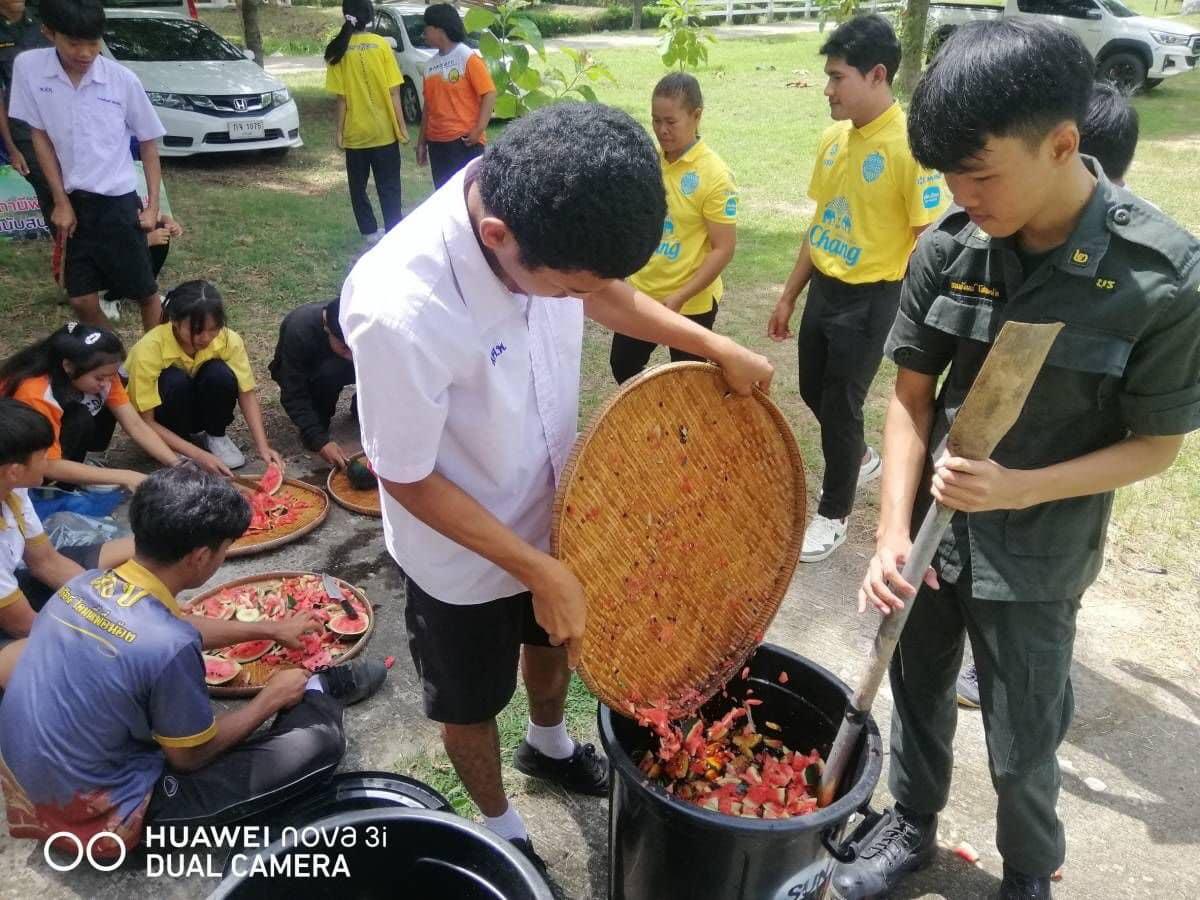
[(1126, 285)]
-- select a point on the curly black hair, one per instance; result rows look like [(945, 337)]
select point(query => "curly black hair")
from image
[(1005, 78), (579, 185)]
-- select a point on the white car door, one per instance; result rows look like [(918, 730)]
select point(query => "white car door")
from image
[(1083, 17)]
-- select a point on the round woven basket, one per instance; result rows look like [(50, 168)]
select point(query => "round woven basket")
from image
[(254, 675), (682, 512), (269, 540), (365, 503)]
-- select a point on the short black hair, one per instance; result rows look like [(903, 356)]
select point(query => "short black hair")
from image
[(197, 301), (1005, 78), (865, 42), (446, 17), (332, 311), (181, 508), (23, 432), (80, 19), (683, 86), (579, 185), (1109, 131)]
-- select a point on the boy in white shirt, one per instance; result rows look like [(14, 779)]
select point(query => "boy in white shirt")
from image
[(82, 109), (466, 327)]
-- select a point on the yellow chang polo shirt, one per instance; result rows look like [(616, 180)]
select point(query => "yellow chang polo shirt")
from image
[(158, 350), (365, 77), (870, 194), (700, 189)]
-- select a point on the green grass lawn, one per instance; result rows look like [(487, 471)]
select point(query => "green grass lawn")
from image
[(275, 233)]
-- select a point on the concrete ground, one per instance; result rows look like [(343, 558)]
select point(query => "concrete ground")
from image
[(1131, 762)]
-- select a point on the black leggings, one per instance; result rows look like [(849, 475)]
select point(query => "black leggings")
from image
[(629, 356), (200, 403), (300, 750), (384, 163), (82, 432)]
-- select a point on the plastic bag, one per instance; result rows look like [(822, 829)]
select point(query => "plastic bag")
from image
[(71, 529), (49, 500)]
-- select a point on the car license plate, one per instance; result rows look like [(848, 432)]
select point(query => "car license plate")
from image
[(246, 130)]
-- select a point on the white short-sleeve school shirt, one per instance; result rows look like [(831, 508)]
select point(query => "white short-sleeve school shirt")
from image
[(89, 125), (460, 376), (19, 525)]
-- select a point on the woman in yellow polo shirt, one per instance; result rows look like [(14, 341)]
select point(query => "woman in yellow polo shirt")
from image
[(362, 71), (700, 231), (186, 374)]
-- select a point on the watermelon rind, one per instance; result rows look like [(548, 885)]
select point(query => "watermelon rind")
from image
[(343, 624), (272, 480), (254, 649), (214, 679)]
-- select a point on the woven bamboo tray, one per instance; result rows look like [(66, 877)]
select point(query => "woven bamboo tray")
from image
[(254, 675), (682, 512), (248, 545), (365, 503)]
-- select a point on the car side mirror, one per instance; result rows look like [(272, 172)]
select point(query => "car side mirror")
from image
[(391, 42), (1094, 14), (249, 54)]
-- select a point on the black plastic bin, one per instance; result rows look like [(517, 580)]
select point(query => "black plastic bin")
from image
[(661, 848), (397, 853)]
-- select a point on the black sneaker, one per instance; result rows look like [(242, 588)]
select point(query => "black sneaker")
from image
[(525, 845), (584, 772), (967, 687), (1019, 886), (896, 846), (353, 681)]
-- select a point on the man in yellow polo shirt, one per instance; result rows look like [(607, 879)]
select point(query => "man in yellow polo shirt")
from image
[(872, 201), (699, 233)]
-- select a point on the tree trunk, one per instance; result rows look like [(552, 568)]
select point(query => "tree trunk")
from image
[(637, 14), (912, 45), (251, 30)]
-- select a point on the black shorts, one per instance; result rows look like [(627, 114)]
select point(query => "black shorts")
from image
[(467, 656), (108, 250)]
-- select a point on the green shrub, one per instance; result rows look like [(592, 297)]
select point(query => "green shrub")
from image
[(552, 23)]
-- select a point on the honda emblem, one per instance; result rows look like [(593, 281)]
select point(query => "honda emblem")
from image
[(240, 104)]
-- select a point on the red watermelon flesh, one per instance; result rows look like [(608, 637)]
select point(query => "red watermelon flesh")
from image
[(215, 607), (219, 671), (248, 651), (343, 624), (272, 479)]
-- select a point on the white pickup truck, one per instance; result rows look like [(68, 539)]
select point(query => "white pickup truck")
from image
[(1133, 52)]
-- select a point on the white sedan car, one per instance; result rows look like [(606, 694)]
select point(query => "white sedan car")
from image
[(209, 96)]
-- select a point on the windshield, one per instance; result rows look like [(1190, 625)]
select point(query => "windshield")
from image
[(166, 40), (1118, 9)]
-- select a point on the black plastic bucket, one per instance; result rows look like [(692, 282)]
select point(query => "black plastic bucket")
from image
[(661, 848), (353, 791), (395, 853)]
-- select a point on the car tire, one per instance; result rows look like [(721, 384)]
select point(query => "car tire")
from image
[(410, 103), (1124, 71), (276, 153), (1151, 83)]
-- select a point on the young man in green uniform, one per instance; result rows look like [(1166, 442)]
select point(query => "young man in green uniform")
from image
[(1038, 234)]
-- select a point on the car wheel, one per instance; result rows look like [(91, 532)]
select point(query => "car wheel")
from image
[(1124, 71), (410, 103), (1151, 84)]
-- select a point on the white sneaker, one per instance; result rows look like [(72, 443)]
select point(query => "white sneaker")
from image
[(225, 450), (871, 469), (111, 309), (822, 537), (375, 238)]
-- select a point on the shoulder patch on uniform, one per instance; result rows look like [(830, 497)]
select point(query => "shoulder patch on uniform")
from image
[(1137, 222)]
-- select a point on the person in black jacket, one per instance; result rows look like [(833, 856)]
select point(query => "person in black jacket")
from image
[(311, 366)]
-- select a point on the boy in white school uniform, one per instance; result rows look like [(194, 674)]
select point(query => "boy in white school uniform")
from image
[(82, 109), (466, 326)]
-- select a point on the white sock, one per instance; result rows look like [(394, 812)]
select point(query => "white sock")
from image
[(509, 825), (552, 740), (314, 684)]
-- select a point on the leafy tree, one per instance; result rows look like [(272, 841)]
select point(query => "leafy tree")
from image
[(508, 41), (250, 29), (681, 41)]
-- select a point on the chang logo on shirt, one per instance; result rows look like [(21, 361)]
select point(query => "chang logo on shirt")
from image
[(831, 155), (836, 218), (872, 167), (668, 246), (689, 183), (931, 197), (731, 207)]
